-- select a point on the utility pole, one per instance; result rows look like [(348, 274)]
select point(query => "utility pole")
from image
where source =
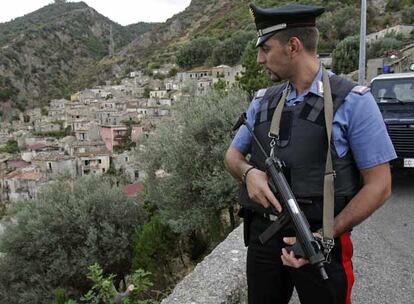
[(362, 43)]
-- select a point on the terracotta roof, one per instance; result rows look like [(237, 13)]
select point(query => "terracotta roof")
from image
[(18, 174), (17, 164), (52, 156), (36, 147), (132, 190)]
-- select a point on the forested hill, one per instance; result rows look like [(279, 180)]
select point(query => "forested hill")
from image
[(64, 47), (42, 53)]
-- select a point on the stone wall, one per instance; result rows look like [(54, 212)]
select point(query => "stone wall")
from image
[(218, 279)]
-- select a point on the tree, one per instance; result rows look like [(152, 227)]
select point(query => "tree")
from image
[(254, 77), (381, 47), (189, 147), (73, 224), (231, 49), (196, 52), (10, 147), (345, 56), (154, 246)]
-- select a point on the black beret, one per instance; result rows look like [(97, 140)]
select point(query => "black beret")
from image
[(270, 20)]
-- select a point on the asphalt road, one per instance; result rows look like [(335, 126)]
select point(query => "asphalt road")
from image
[(384, 249)]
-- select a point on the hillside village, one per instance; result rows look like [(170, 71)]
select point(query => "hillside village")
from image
[(95, 132)]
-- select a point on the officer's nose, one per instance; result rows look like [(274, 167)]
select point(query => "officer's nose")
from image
[(261, 58)]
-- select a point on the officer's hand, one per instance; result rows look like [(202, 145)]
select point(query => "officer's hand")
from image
[(259, 191), (288, 258)]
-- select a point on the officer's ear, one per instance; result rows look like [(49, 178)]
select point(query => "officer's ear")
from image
[(295, 46)]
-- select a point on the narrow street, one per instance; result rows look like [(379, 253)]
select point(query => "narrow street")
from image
[(384, 249)]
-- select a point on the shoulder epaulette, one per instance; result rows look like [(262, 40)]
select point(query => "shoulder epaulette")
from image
[(361, 90), (260, 93)]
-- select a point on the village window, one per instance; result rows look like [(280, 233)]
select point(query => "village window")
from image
[(136, 174), (49, 166), (99, 161), (126, 158), (86, 162), (103, 170)]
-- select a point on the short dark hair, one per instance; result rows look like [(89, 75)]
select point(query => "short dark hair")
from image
[(309, 36)]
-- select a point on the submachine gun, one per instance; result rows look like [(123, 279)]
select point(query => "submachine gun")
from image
[(307, 246)]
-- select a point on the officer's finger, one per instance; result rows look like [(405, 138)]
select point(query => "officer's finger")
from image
[(289, 259), (262, 200), (289, 240), (272, 199)]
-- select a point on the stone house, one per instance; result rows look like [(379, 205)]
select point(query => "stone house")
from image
[(134, 74), (57, 109), (404, 30), (92, 163), (53, 163), (227, 73), (46, 126), (114, 135), (127, 164), (86, 130), (23, 183), (34, 149), (74, 148), (109, 117), (204, 85), (194, 74), (159, 94)]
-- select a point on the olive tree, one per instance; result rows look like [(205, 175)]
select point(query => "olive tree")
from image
[(193, 186), (54, 239)]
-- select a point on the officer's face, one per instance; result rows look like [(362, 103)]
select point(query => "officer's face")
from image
[(275, 57)]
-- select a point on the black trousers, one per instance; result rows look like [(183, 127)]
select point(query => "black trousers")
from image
[(270, 282)]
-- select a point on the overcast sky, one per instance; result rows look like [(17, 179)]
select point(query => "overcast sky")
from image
[(121, 11)]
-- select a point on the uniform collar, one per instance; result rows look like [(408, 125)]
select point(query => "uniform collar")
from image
[(316, 88)]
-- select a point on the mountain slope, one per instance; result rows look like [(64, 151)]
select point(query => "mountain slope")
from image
[(42, 53)]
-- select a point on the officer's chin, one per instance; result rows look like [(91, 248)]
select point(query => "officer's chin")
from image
[(274, 77)]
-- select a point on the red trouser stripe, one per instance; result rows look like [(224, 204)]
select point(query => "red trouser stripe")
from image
[(347, 263)]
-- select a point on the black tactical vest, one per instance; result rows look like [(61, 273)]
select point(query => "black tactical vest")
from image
[(303, 147)]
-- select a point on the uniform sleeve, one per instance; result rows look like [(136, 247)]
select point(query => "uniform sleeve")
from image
[(362, 129), (242, 140)]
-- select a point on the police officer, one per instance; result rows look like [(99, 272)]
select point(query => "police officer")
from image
[(359, 152)]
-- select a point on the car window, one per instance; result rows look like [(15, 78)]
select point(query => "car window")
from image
[(393, 90)]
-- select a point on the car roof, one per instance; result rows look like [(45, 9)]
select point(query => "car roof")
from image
[(394, 76)]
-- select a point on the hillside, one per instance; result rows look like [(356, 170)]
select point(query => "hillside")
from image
[(64, 47), (220, 19), (42, 53)]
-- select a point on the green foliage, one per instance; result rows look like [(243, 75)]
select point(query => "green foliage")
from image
[(7, 90), (126, 141), (190, 147), (254, 77), (408, 15), (72, 224), (231, 49), (56, 134), (103, 290), (345, 56), (154, 245), (147, 91), (10, 147), (196, 52), (382, 47)]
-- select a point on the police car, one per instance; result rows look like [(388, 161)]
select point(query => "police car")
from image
[(394, 94)]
